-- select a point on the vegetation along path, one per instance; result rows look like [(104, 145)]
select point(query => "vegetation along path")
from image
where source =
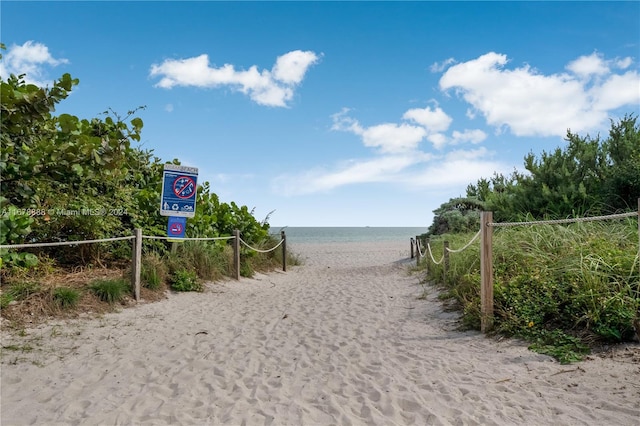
[(349, 337)]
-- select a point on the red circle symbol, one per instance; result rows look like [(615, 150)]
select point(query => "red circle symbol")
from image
[(184, 187), (176, 228)]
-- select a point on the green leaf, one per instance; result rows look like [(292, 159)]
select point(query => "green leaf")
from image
[(78, 169), (30, 260)]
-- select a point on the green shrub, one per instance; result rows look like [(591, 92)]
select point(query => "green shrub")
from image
[(561, 287), (246, 269), (111, 290), (185, 280), (66, 297), (207, 258), (559, 345)]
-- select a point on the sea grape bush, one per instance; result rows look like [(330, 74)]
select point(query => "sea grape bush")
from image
[(87, 180)]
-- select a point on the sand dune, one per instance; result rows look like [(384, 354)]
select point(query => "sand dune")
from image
[(341, 340)]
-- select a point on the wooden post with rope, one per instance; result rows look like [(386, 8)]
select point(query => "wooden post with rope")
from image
[(236, 253), (137, 263), (426, 267), (411, 243), (486, 272), (446, 261), (284, 251), (636, 322)]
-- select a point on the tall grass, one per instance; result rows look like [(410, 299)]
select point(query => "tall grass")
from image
[(207, 258), (210, 261), (562, 287), (110, 290), (154, 271)]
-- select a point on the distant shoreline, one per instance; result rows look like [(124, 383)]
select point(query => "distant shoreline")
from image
[(346, 234)]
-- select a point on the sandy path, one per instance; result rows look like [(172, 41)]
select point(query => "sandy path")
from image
[(341, 340)]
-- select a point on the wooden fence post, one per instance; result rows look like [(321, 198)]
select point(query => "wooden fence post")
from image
[(137, 263), (446, 261), (486, 272), (426, 246), (236, 253), (411, 243), (284, 251), (417, 251), (637, 320)]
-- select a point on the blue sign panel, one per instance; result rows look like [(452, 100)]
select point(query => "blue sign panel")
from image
[(176, 226), (179, 187)]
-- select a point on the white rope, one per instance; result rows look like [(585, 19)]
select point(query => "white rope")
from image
[(431, 254), (437, 262), (419, 249), (66, 243), (466, 246), (261, 251), (552, 222), (153, 237)]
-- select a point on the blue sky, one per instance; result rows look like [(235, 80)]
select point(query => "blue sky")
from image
[(339, 113)]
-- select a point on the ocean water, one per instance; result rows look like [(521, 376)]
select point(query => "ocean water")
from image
[(297, 234)]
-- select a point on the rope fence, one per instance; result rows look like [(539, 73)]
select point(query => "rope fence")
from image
[(154, 237), (259, 250), (445, 253), (486, 253), (136, 257), (65, 243), (562, 221), (433, 259)]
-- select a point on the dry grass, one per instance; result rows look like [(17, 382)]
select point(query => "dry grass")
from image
[(40, 307)]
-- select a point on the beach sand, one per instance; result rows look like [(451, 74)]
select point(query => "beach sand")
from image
[(343, 339)]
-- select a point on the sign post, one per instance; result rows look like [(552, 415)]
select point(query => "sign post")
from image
[(178, 201)]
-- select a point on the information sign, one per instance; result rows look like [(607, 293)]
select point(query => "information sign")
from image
[(176, 226), (179, 187)]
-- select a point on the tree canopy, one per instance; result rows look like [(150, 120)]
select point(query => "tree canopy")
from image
[(588, 176)]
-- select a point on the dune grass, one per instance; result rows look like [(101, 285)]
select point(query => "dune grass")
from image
[(564, 288)]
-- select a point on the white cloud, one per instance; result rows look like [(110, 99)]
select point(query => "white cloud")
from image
[(623, 63), (418, 171), (382, 169), (441, 66), (430, 124), (456, 170), (586, 66), (617, 90), (438, 140), (393, 138), (399, 158), (342, 122), (273, 87), (473, 136), (31, 59), (435, 120), (531, 104), (386, 137), (291, 67)]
